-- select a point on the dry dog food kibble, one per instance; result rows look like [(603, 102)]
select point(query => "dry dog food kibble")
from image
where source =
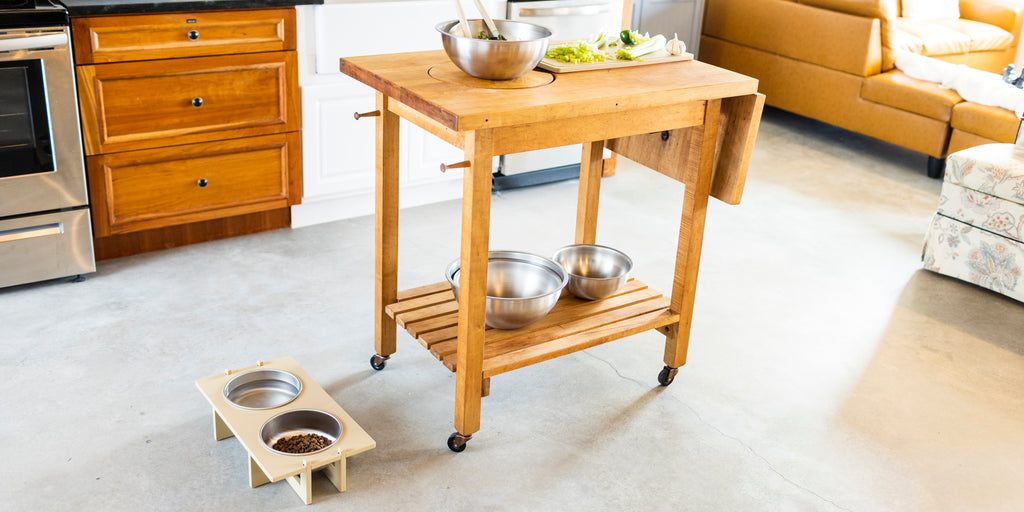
[(302, 443)]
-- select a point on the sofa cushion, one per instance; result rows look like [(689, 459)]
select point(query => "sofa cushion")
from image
[(929, 9), (898, 90), (989, 122), (929, 38), (983, 36), (948, 37)]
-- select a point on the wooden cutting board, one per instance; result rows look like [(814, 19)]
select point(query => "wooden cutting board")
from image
[(555, 66)]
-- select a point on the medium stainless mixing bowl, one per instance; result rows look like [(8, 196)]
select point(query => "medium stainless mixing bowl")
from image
[(595, 271), (495, 59), (521, 287), (297, 422)]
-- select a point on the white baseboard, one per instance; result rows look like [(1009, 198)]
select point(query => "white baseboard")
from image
[(317, 210)]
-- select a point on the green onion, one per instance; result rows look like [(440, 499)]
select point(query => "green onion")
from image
[(646, 48)]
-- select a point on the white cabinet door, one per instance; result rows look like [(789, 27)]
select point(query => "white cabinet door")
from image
[(338, 154), (338, 151), (352, 29), (426, 153)]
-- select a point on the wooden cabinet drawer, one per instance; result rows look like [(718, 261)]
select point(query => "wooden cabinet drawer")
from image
[(137, 105), (161, 187), (100, 39)]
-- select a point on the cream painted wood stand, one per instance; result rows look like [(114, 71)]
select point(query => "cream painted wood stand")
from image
[(266, 466)]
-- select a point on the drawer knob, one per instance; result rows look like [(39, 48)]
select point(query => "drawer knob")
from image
[(197, 102), (202, 182), (193, 34)]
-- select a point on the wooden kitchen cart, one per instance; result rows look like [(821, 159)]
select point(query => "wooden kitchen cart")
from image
[(688, 120)]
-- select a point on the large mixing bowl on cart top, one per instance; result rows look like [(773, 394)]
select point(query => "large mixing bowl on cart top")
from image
[(521, 287), (496, 59)]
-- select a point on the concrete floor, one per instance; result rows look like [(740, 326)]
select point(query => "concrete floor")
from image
[(827, 371)]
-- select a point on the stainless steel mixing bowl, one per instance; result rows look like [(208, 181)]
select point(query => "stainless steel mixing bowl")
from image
[(595, 271), (301, 421), (521, 287), (262, 389), (495, 59)]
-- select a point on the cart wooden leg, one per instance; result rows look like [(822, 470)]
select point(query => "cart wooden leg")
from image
[(386, 228), (256, 475), (335, 472), (590, 191), (220, 429), (691, 236), (476, 211)]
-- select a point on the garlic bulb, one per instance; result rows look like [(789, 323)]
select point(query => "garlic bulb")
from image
[(675, 46)]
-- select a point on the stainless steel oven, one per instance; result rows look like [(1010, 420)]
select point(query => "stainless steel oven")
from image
[(567, 19), (45, 228)]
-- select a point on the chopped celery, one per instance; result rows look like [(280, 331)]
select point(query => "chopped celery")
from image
[(602, 39), (575, 53)]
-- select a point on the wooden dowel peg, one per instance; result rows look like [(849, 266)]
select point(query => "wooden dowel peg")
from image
[(375, 113), (445, 167)]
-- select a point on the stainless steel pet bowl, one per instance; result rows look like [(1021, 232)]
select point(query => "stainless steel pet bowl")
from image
[(297, 422), (521, 287), (262, 389), (595, 271), (495, 59)]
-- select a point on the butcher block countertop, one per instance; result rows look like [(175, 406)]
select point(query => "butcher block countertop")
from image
[(655, 97), (405, 78)]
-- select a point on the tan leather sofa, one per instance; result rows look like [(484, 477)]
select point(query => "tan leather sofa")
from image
[(832, 60)]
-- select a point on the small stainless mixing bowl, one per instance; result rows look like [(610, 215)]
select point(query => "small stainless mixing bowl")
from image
[(521, 287), (595, 271), (495, 59)]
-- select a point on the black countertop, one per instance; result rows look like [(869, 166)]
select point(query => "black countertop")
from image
[(95, 7)]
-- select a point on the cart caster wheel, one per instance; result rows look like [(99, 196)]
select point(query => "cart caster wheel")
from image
[(378, 362), (457, 442), (667, 375)]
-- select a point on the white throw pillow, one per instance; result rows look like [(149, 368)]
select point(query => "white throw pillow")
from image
[(930, 9)]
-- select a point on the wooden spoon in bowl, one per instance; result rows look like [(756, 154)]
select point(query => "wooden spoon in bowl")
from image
[(487, 20), (461, 28)]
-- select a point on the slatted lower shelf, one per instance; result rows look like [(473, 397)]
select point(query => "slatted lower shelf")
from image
[(430, 315)]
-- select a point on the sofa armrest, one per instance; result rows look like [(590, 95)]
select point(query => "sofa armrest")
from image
[(1005, 16), (827, 38)]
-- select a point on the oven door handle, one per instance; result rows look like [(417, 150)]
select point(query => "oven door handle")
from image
[(33, 42), (13, 235), (579, 10)]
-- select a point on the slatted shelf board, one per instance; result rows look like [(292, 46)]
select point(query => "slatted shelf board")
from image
[(430, 315)]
